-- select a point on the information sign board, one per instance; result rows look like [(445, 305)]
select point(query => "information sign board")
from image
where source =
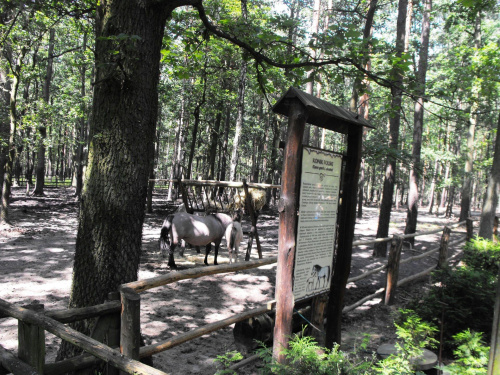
[(316, 229)]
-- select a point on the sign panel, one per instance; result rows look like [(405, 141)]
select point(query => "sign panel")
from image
[(318, 203)]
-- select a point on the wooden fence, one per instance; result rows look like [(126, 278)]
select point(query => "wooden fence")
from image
[(124, 330)]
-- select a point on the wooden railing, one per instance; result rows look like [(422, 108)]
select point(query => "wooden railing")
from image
[(124, 331)]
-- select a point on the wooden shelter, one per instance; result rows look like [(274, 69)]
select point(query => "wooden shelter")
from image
[(302, 108)]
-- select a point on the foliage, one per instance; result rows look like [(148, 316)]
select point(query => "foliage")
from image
[(414, 335), (226, 360), (471, 354), (465, 295), (306, 357), (482, 254)]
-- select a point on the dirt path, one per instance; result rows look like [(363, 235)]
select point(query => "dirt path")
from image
[(36, 264)]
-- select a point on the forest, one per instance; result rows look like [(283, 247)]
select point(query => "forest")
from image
[(108, 95)]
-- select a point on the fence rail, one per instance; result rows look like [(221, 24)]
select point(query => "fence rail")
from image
[(128, 331)]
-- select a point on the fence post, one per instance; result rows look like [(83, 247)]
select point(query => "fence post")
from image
[(130, 332), (393, 269), (253, 230), (318, 307), (31, 339), (470, 228), (495, 229), (113, 336), (443, 248), (494, 360)]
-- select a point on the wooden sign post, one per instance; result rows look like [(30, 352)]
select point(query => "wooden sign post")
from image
[(301, 108)]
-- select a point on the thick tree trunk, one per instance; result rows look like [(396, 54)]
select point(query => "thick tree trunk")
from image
[(418, 125), (122, 133), (490, 202), (390, 170)]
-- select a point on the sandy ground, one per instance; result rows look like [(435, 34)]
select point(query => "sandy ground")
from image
[(36, 256)]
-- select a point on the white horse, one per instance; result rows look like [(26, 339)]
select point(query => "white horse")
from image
[(234, 236), (197, 231)]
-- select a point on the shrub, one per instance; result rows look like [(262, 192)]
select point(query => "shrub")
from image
[(306, 357), (467, 297), (471, 354), (414, 336), (482, 254)]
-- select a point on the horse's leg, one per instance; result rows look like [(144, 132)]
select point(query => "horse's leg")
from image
[(183, 248), (197, 249), (171, 262), (207, 250), (235, 250), (217, 244)]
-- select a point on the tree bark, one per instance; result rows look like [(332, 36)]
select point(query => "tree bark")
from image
[(395, 120), (239, 121), (418, 125), (490, 202), (40, 167), (82, 127), (122, 134), (469, 163), (214, 141)]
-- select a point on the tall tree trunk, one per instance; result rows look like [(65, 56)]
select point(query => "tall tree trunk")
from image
[(241, 105), (40, 167), (360, 105), (469, 163), (490, 202), (239, 121), (214, 140), (432, 189), (306, 140), (81, 131), (125, 108), (5, 88), (418, 125), (7, 180), (390, 170), (16, 67), (196, 124), (225, 142), (178, 155)]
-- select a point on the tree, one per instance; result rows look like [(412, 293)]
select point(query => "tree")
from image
[(395, 119), (490, 202), (127, 52), (418, 120)]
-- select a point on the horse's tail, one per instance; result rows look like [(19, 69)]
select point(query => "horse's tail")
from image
[(165, 230)]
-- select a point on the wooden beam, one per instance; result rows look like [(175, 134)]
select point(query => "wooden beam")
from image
[(347, 221), (142, 285), (88, 344), (11, 363), (287, 208), (393, 270)]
